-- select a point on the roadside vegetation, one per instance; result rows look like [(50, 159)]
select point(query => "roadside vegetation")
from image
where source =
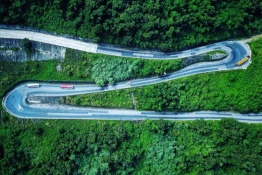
[(116, 99), (165, 25), (238, 90), (147, 147), (86, 67), (104, 69), (80, 66), (13, 72), (124, 147)]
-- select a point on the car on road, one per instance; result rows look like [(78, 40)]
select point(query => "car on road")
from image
[(67, 86), (33, 85)]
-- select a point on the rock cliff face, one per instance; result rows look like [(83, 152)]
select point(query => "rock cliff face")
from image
[(12, 50)]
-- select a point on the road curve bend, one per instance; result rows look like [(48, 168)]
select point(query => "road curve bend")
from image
[(16, 101)]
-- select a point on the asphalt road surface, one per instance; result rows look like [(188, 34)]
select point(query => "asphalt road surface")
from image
[(16, 101)]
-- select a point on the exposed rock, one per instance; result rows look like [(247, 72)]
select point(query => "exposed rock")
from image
[(59, 67), (11, 50), (217, 56)]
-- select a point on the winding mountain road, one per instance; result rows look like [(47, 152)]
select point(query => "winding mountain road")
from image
[(16, 101)]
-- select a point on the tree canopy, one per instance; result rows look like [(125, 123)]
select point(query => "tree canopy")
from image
[(124, 147), (165, 25)]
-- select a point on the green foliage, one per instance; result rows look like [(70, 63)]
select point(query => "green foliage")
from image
[(115, 69), (77, 65), (27, 45), (117, 100), (123, 147), (238, 90), (162, 152), (107, 147), (12, 72), (148, 147), (166, 25), (104, 69)]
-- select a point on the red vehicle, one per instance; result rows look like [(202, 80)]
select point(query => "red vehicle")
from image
[(67, 86)]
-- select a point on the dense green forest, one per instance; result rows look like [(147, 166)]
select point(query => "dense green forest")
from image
[(238, 90), (147, 147), (122, 147), (165, 25)]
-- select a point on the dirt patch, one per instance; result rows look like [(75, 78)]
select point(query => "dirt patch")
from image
[(252, 38)]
